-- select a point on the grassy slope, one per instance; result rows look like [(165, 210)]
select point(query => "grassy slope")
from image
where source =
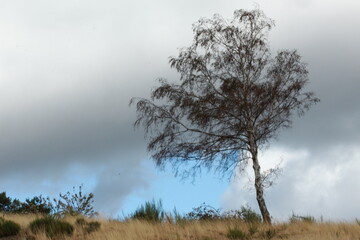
[(214, 230)]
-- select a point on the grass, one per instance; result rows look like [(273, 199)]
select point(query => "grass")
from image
[(8, 228), (51, 226), (197, 230)]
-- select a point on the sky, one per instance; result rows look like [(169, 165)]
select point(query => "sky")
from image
[(69, 68)]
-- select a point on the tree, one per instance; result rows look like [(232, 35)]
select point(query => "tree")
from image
[(35, 205), (5, 202), (232, 98)]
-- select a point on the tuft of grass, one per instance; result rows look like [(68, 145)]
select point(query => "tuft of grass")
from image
[(179, 218), (357, 221), (269, 233), (250, 216), (80, 221), (92, 226), (52, 227), (88, 227), (252, 228), (235, 233), (8, 228), (151, 211)]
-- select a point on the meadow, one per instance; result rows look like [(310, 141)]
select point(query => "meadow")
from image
[(72, 217), (224, 229)]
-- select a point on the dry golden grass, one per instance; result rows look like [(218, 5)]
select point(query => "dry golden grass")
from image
[(195, 230)]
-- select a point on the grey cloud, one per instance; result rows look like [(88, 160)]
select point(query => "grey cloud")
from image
[(68, 70), (321, 182), (323, 33)]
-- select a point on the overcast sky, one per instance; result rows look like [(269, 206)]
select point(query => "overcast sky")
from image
[(69, 68)]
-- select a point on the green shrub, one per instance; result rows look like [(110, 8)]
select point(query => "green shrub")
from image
[(8, 228), (80, 222), (88, 227), (150, 211), (253, 228), (234, 233), (92, 226), (52, 227), (249, 215), (245, 213)]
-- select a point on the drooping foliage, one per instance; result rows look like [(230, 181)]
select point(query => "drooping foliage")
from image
[(229, 86)]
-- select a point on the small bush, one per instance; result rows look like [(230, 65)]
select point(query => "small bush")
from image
[(249, 215), (253, 228), (297, 218), (88, 227), (80, 222), (245, 213), (52, 227), (235, 233), (204, 212), (269, 234), (92, 227), (8, 228), (150, 211), (74, 204)]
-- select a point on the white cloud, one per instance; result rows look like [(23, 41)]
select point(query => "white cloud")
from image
[(318, 185)]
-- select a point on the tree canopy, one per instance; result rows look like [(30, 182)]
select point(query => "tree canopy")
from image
[(233, 96)]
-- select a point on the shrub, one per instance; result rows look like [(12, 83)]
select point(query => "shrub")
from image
[(234, 233), (8, 228), (150, 211), (92, 226), (297, 218), (88, 227), (269, 234), (80, 222), (245, 213), (249, 215), (253, 228), (74, 204), (52, 227), (204, 212)]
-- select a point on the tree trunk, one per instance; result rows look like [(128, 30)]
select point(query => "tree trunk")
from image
[(258, 183)]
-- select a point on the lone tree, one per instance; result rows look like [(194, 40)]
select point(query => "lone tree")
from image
[(232, 98)]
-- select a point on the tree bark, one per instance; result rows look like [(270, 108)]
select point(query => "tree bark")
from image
[(259, 188)]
